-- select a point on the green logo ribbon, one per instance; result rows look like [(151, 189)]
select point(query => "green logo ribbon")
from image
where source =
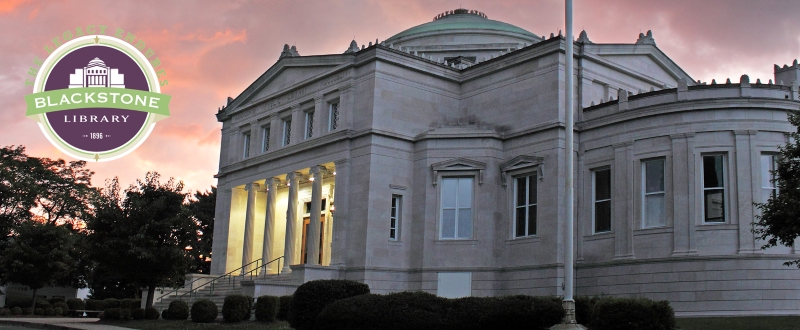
[(97, 97)]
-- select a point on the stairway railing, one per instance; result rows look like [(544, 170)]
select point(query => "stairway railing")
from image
[(231, 278), (175, 291)]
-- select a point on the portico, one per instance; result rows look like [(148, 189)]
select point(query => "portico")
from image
[(272, 218)]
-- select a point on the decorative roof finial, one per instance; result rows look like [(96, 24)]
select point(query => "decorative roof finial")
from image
[(646, 39), (353, 47), (583, 38)]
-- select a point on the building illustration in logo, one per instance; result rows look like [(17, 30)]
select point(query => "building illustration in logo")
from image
[(96, 74)]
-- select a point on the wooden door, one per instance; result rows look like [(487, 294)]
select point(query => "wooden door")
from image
[(306, 223)]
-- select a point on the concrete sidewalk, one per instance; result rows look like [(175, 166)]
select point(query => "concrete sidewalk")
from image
[(86, 323)]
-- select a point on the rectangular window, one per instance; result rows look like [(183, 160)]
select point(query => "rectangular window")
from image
[(714, 188), (287, 131), (525, 206), (264, 138), (309, 125), (394, 218), (768, 167), (246, 145), (456, 208), (333, 116), (653, 193), (601, 195)]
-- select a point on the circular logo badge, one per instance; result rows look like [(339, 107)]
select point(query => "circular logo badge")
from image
[(97, 98)]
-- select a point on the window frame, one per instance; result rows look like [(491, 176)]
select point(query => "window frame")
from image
[(529, 176), (774, 167), (333, 113), (265, 132), (724, 188), (246, 145), (595, 201), (645, 193), (308, 130), (441, 209), (395, 215), (286, 132)]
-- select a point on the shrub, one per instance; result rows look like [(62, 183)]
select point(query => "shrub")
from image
[(95, 305), (130, 303), (62, 305), (50, 311), (311, 297), (75, 304), (4, 312), (403, 310), (204, 311), (524, 312), (178, 310), (124, 314), (53, 301), (111, 314), (583, 309), (58, 311), (27, 311), (236, 308), (632, 313), (12, 302), (283, 308), (137, 313), (151, 313), (43, 304), (38, 311), (267, 308), (165, 314), (112, 303), (16, 311)]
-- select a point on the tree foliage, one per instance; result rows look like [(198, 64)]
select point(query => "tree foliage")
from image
[(202, 209), (779, 222), (40, 255), (139, 235), (53, 191)]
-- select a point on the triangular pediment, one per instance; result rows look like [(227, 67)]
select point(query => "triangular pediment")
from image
[(519, 163), (458, 164), (290, 74), (638, 60)]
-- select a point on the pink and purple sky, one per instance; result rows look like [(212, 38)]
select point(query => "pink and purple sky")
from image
[(215, 49)]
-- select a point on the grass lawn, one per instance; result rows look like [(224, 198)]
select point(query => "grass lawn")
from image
[(189, 325), (740, 323)]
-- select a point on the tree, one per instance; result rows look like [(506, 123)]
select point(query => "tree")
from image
[(141, 236), (203, 208), (779, 221), (53, 191), (40, 255)]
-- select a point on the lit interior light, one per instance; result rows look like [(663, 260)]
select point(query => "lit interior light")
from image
[(188, 248), (311, 179), (334, 172)]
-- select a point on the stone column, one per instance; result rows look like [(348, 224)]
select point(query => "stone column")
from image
[(298, 125), (314, 228), (347, 105), (249, 225), (328, 230), (222, 215), (622, 200), (293, 180), (269, 223)]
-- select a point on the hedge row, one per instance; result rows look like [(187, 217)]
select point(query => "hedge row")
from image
[(116, 313), (609, 313), (421, 310)]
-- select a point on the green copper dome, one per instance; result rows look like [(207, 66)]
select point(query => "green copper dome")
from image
[(461, 21)]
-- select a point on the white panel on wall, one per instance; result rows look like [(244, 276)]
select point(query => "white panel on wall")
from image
[(454, 285)]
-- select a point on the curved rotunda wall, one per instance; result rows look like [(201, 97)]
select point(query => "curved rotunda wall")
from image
[(463, 32)]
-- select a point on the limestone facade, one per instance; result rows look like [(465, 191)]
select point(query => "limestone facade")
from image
[(437, 159)]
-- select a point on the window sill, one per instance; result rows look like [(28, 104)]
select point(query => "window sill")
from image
[(523, 240), (653, 230), (455, 242), (598, 236), (717, 226), (395, 242)]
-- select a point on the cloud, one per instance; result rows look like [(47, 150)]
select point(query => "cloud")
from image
[(215, 49)]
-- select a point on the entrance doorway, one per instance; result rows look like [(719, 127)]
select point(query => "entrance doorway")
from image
[(306, 223)]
